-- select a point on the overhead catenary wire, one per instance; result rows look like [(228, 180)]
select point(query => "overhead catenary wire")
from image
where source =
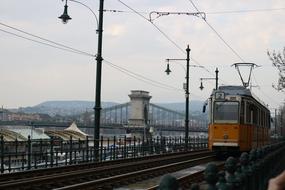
[(212, 28), (50, 42), (267, 96), (246, 11), (70, 49), (209, 12), (215, 31), (46, 44), (219, 36), (144, 79), (67, 48), (141, 77), (223, 40), (164, 34), (73, 50)]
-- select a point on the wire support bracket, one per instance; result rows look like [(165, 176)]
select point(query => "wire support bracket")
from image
[(160, 14)]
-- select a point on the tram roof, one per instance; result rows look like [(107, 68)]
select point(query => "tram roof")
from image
[(239, 90), (235, 90)]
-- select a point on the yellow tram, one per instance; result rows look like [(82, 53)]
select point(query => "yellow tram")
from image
[(238, 121)]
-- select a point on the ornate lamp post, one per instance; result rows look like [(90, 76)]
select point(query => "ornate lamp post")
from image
[(97, 109), (186, 92), (217, 73)]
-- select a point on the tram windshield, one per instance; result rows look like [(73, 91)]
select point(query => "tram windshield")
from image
[(226, 112)]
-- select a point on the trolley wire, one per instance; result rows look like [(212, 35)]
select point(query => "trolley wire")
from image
[(164, 34), (246, 11), (267, 96), (43, 43), (73, 50), (141, 77), (145, 79), (46, 41), (220, 36), (209, 12), (212, 28)]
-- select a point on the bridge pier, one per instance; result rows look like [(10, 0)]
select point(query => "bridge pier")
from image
[(139, 111)]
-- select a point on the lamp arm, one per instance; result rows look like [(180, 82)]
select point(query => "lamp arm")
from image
[(97, 22)]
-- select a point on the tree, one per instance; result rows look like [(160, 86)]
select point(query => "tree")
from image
[(278, 61), (281, 120)]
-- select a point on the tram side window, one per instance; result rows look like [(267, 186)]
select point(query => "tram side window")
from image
[(256, 115), (226, 112), (210, 110), (242, 111), (268, 120), (265, 119), (262, 118), (248, 113)]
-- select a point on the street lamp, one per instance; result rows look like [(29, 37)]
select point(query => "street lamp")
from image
[(65, 17), (217, 72), (186, 92), (97, 109)]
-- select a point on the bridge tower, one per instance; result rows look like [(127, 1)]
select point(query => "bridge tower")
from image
[(139, 108)]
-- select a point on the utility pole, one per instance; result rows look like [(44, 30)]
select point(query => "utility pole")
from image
[(186, 88), (97, 108), (187, 99), (216, 78), (217, 73)]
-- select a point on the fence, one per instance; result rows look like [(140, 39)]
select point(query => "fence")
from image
[(251, 171), (33, 154)]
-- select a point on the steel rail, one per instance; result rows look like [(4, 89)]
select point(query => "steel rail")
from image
[(110, 182), (97, 172), (5, 178)]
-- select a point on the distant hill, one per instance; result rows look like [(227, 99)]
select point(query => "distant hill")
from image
[(64, 108), (69, 108)]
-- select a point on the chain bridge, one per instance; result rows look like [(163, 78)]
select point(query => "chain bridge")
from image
[(139, 114)]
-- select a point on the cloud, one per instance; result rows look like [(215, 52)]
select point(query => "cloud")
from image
[(115, 30), (132, 42)]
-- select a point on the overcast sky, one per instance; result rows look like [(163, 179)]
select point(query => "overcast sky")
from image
[(135, 49)]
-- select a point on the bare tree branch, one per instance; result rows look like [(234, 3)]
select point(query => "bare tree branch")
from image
[(278, 61)]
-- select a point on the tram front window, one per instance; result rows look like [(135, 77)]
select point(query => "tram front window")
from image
[(226, 112)]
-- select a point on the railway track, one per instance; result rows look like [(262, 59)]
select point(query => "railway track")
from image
[(106, 176), (63, 169), (118, 180)]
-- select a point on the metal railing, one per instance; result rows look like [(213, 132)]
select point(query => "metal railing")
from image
[(34, 154), (251, 171)]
